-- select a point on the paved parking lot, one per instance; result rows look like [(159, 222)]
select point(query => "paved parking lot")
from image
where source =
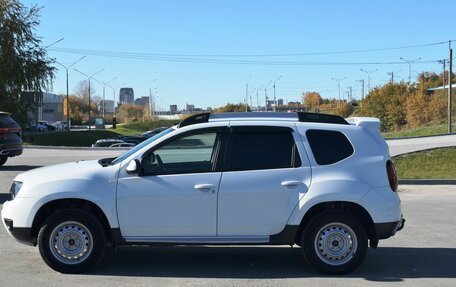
[(423, 254)]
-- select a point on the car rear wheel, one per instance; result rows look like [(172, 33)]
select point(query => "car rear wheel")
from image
[(3, 160), (334, 243), (72, 241)]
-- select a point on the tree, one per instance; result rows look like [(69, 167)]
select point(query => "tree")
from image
[(312, 100), (388, 104), (232, 108), (344, 110), (24, 63)]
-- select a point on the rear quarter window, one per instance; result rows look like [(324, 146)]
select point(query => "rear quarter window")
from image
[(329, 147)]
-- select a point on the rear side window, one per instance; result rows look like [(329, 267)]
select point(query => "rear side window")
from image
[(7, 122), (255, 149), (329, 147)]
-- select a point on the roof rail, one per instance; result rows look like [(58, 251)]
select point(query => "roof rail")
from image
[(321, 118), (299, 116)]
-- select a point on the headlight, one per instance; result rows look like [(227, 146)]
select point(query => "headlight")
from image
[(14, 190)]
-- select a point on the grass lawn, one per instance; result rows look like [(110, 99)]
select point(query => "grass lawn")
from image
[(423, 131), (430, 164)]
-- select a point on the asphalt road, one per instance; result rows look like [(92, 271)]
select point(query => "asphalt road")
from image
[(423, 254), (401, 146)]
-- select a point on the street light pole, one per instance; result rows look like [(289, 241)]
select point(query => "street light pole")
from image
[(247, 93), (410, 62), (338, 86), (67, 93), (89, 77), (274, 87)]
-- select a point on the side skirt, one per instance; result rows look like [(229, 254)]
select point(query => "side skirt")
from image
[(286, 237)]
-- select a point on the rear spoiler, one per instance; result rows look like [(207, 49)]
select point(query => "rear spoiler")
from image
[(373, 126), (369, 123)]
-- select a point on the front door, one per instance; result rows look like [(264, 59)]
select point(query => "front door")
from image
[(175, 197)]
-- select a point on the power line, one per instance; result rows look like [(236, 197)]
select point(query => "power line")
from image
[(255, 55), (221, 61)]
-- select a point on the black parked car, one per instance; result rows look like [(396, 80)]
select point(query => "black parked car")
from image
[(132, 139), (153, 132), (10, 138)]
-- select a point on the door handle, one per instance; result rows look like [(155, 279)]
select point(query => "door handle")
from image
[(204, 186), (291, 183)]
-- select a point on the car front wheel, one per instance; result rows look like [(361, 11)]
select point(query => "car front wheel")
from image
[(335, 243), (72, 241)]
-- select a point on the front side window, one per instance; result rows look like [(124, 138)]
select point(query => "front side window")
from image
[(188, 154), (256, 150)]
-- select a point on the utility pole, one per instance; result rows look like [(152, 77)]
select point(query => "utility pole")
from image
[(338, 86), (392, 77), (450, 72), (351, 94), (362, 88), (410, 62), (369, 78), (443, 62)]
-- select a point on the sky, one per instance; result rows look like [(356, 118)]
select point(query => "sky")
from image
[(205, 52)]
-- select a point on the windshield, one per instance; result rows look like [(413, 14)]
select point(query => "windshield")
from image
[(140, 146)]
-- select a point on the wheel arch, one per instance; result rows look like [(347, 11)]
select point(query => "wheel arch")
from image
[(51, 207), (339, 206)]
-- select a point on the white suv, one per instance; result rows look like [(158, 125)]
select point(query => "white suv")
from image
[(238, 178)]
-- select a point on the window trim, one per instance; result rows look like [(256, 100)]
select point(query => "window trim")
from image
[(218, 148), (296, 160)]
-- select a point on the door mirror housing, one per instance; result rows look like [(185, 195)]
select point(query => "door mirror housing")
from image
[(134, 167)]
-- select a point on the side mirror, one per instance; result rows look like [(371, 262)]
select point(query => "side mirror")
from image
[(134, 167)]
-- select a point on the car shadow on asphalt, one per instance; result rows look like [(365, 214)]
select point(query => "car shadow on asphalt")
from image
[(381, 264), (18, 167)]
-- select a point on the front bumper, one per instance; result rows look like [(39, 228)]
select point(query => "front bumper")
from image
[(21, 234), (388, 229)]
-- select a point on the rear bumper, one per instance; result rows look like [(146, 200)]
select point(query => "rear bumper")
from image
[(388, 229), (10, 151)]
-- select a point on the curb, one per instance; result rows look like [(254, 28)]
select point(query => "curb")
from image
[(428, 181)]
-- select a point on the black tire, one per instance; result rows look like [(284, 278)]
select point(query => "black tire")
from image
[(3, 160), (69, 229), (334, 243)]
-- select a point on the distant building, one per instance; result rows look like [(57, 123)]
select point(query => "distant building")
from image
[(126, 96), (108, 106), (189, 108), (49, 106), (280, 102), (173, 109), (143, 101)]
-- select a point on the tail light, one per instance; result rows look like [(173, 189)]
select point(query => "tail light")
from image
[(392, 175), (4, 131)]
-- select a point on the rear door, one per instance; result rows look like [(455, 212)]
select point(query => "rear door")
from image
[(266, 173)]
